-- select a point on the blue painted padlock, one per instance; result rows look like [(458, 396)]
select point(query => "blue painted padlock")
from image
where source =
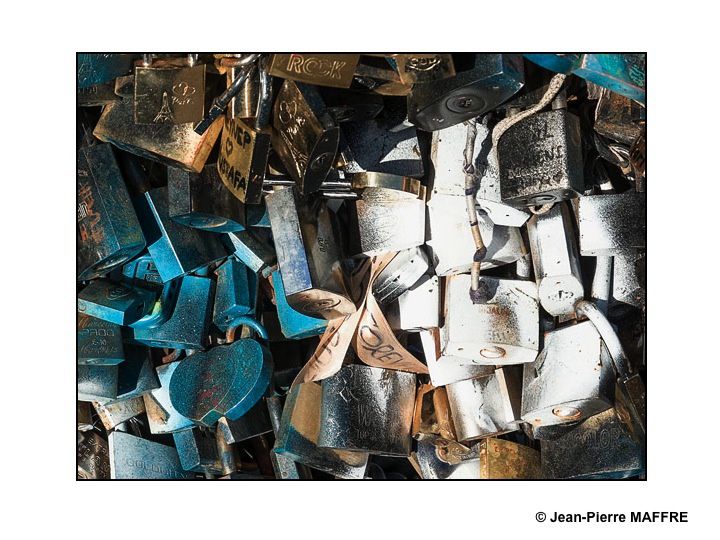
[(235, 295), (293, 324), (115, 302), (131, 378), (95, 69)]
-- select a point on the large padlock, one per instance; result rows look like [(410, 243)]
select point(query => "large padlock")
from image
[(115, 303), (447, 369), (93, 458), (314, 68), (293, 324), (98, 342), (553, 244), (482, 82), (305, 136), (503, 330), (251, 250), (114, 413), (169, 90), (162, 416), (298, 434), (94, 68), (235, 294), (203, 202), (404, 271), (136, 458), (367, 409), (253, 423), (197, 450), (131, 378), (612, 224), (417, 308), (571, 379), (176, 250), (108, 230), (508, 460), (308, 255)]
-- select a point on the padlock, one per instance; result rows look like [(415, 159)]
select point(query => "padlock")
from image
[(571, 379), (108, 231), (253, 423), (421, 68), (503, 330), (293, 324), (114, 302), (612, 224), (367, 409), (93, 458), (508, 460), (197, 450), (305, 136), (629, 279), (553, 244), (487, 406), (298, 434), (244, 104), (540, 158), (597, 448), (417, 308), (482, 82), (176, 250), (619, 118), (141, 272), (308, 255), (235, 293), (94, 68), (169, 91), (335, 70), (404, 271), (116, 412), (250, 250), (203, 202), (285, 468), (97, 95), (227, 381), (446, 369), (162, 416), (131, 378), (135, 458), (98, 342), (464, 466)]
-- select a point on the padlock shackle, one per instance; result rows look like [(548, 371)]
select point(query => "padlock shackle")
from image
[(247, 321), (608, 335)]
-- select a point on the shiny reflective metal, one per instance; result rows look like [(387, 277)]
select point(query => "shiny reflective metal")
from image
[(304, 135), (227, 381), (403, 184), (629, 279), (554, 248), (481, 83), (235, 293), (254, 253), (619, 118), (293, 324), (243, 157), (98, 95), (420, 68), (572, 378), (308, 255), (504, 330), (540, 159), (298, 433), (114, 302), (486, 407), (97, 68), (162, 416), (322, 69), (417, 308), (404, 271), (202, 201), (244, 104), (447, 369), (597, 448), (197, 450), (108, 231), (136, 458), (116, 412), (131, 378), (612, 224), (98, 342), (285, 468), (507, 460), (367, 409), (176, 250), (93, 458), (84, 416), (464, 466), (251, 424)]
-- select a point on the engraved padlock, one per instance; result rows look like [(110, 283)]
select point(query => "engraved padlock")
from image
[(571, 379), (108, 230), (235, 294), (115, 303), (135, 458), (98, 342), (612, 224), (131, 378), (116, 412), (367, 409), (308, 255), (417, 308), (93, 458), (162, 416), (314, 68), (293, 324), (405, 269), (251, 250), (420, 68)]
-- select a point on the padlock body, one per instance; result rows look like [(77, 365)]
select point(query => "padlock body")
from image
[(98, 342), (169, 94), (243, 159)]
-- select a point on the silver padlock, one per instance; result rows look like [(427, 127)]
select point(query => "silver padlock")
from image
[(464, 466), (629, 279), (417, 308), (162, 416), (140, 459), (553, 245), (612, 224), (406, 268), (116, 412), (446, 370), (572, 378)]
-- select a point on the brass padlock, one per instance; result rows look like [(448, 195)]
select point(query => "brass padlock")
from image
[(313, 68), (420, 68), (507, 460)]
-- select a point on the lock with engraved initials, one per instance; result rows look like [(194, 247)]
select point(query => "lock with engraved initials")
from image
[(321, 69), (93, 459), (98, 342)]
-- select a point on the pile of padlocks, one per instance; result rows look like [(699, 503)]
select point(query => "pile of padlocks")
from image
[(385, 266)]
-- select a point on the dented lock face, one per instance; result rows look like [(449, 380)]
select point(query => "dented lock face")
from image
[(368, 409), (162, 416), (612, 225), (116, 412), (250, 250), (98, 342), (243, 158), (203, 202), (235, 293), (94, 69), (507, 460), (298, 433), (503, 330), (487, 406), (434, 463), (630, 279), (540, 159), (108, 231), (420, 68), (553, 244), (304, 135), (308, 256), (417, 308), (253, 423), (572, 378), (114, 302), (597, 448), (481, 83), (131, 378), (135, 458), (225, 381), (619, 118), (293, 324), (197, 450), (93, 458), (169, 91), (404, 271), (320, 69), (176, 249)]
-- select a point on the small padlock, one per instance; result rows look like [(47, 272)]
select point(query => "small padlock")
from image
[(197, 450), (108, 231), (367, 409), (612, 224), (305, 136), (308, 255), (93, 69), (115, 303), (293, 324), (465, 465), (98, 342), (553, 244), (116, 412), (162, 416), (417, 308), (572, 378), (203, 202), (481, 83), (139, 459), (508, 460), (321, 69), (93, 457), (405, 269), (298, 433), (250, 250), (619, 118), (169, 91), (629, 279), (253, 423), (235, 294), (131, 378)]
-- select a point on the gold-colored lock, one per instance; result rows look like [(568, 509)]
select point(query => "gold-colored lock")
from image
[(377, 75), (506, 460), (419, 68), (335, 70)]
